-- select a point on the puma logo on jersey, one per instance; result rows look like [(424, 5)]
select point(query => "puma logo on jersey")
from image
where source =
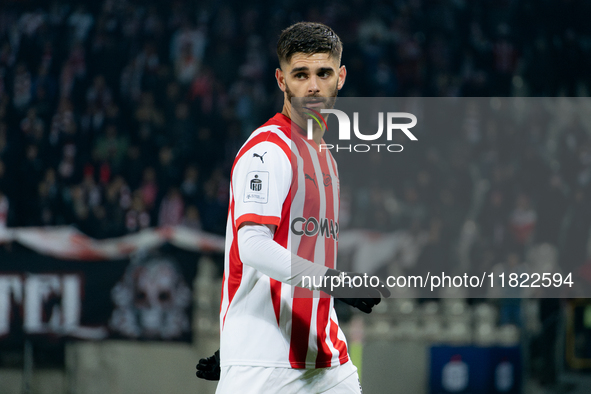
[(259, 156), (312, 179)]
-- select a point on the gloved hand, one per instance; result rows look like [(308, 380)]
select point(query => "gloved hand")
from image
[(209, 368), (354, 289)]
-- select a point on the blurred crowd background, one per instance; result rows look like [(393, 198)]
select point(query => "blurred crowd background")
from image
[(119, 115)]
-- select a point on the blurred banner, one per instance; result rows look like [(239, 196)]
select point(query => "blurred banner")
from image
[(68, 243), (144, 295)]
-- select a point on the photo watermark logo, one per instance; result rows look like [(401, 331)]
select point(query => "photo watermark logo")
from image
[(344, 133)]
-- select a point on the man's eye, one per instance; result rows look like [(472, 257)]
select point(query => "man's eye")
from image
[(323, 74), (300, 75)]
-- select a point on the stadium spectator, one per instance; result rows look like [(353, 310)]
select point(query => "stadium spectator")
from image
[(522, 220), (172, 208), (192, 218), (3, 211)]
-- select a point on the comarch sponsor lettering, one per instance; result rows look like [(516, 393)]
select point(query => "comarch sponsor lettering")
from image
[(312, 226)]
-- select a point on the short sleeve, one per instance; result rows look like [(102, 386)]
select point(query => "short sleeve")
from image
[(261, 180)]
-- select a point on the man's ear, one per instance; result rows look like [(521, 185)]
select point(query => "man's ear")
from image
[(280, 77), (342, 76)]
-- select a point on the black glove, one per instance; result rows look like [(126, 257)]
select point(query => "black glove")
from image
[(363, 304), (363, 297), (209, 368)]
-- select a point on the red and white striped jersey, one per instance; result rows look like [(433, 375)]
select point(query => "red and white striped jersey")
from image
[(284, 181)]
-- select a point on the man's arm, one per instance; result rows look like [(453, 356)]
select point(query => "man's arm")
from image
[(258, 249)]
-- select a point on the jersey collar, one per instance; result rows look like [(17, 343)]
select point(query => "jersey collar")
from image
[(295, 131)]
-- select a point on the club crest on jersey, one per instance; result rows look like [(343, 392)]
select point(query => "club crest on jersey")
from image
[(257, 188), (327, 179), (312, 226), (256, 184)]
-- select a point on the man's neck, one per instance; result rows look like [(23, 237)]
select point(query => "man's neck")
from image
[(317, 132)]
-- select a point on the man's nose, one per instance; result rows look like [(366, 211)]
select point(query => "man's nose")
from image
[(313, 87)]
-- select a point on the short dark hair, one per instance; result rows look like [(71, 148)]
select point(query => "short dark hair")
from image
[(308, 38)]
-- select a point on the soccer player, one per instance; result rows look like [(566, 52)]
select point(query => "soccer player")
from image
[(278, 336)]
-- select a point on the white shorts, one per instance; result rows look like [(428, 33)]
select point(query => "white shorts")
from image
[(342, 379)]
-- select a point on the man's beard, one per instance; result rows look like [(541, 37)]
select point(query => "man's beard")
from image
[(290, 95), (301, 101)]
